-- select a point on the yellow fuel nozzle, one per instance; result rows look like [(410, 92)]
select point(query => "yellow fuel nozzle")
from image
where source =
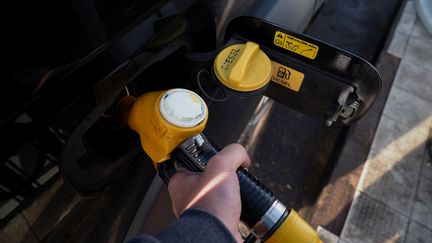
[(164, 119), (243, 67)]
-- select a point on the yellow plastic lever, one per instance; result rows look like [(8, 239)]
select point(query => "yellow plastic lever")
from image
[(239, 69)]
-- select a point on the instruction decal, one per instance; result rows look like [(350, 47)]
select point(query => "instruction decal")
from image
[(296, 45), (287, 77)]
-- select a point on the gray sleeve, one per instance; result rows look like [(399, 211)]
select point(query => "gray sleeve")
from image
[(194, 225)]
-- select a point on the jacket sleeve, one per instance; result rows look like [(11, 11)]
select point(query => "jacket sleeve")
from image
[(194, 225)]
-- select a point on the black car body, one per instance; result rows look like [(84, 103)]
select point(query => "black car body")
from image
[(56, 110)]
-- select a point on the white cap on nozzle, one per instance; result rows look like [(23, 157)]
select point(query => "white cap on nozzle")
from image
[(183, 108)]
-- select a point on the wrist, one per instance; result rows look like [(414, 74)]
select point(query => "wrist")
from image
[(229, 220), (221, 219)]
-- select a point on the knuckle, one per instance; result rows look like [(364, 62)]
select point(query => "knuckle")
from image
[(237, 146)]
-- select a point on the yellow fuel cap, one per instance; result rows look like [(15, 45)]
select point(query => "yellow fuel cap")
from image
[(243, 67)]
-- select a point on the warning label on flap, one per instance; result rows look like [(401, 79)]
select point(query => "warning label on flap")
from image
[(296, 45), (287, 77)]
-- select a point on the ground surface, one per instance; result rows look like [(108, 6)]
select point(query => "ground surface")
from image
[(296, 153), (393, 199)]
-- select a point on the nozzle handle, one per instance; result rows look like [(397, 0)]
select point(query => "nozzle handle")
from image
[(194, 154)]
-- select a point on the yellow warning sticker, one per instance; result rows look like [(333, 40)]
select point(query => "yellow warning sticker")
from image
[(287, 77), (296, 45)]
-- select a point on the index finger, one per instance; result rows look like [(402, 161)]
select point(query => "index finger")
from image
[(229, 159)]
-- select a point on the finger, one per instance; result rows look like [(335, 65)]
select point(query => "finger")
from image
[(229, 159), (238, 237), (178, 180)]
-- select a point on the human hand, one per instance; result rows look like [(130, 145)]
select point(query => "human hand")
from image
[(216, 190)]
